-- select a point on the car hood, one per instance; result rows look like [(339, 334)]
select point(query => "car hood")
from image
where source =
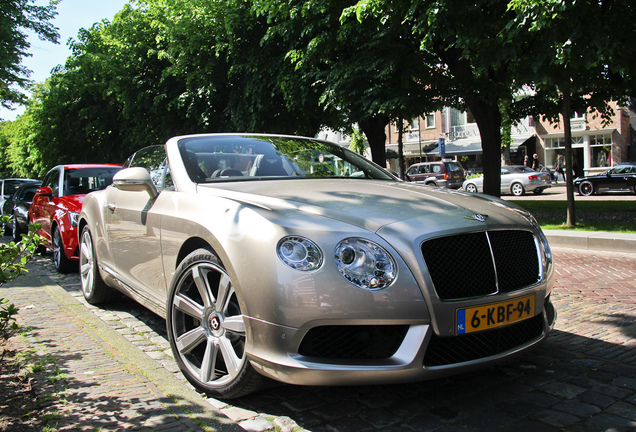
[(373, 204)]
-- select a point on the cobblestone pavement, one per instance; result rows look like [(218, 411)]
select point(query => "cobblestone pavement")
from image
[(582, 379)]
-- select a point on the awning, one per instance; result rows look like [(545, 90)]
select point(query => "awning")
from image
[(411, 149), (469, 146), (464, 146)]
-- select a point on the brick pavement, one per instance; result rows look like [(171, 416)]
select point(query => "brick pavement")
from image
[(582, 379), (108, 384)]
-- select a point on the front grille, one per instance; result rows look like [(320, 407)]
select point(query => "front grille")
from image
[(483, 263), (457, 349), (371, 342)]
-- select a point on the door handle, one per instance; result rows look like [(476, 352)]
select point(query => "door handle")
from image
[(111, 207)]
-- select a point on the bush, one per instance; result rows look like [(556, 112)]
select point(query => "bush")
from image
[(13, 258)]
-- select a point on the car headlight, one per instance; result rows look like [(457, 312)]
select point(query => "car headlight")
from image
[(74, 217), (365, 264), (299, 253)]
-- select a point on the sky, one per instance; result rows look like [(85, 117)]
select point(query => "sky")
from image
[(71, 16)]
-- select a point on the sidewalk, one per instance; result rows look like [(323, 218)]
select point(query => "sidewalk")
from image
[(110, 384)]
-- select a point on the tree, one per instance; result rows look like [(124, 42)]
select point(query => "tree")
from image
[(583, 57), (17, 17), (365, 70)]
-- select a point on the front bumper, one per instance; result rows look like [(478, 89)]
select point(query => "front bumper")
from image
[(276, 352)]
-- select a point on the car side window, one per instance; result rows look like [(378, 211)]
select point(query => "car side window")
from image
[(437, 168), (52, 180)]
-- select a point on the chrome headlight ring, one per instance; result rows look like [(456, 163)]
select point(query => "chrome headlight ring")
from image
[(299, 253), (365, 264)]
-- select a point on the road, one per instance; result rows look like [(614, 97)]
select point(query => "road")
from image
[(582, 379), (558, 192)]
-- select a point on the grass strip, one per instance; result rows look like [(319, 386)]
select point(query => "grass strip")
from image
[(611, 216)]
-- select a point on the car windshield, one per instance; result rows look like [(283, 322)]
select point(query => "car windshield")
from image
[(78, 181), (234, 157), (626, 169)]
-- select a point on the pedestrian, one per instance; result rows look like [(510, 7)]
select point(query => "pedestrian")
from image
[(559, 167), (535, 162), (526, 161)]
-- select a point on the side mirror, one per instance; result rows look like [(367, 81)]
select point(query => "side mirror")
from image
[(45, 191), (135, 179)]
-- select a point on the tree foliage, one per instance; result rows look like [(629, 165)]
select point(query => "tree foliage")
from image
[(17, 19), (169, 67)]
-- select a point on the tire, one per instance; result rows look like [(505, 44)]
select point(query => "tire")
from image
[(586, 188), (537, 191), (517, 189), (15, 229), (62, 264), (206, 329), (471, 188), (94, 288)]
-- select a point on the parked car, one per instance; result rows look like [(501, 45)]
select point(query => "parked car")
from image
[(515, 179), (449, 174), (297, 260), (621, 177), (57, 204), (17, 208), (7, 189)]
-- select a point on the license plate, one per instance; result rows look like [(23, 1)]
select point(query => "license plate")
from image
[(494, 315)]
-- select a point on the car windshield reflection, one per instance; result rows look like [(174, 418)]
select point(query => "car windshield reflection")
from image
[(237, 158)]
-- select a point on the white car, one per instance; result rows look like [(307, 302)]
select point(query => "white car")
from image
[(515, 179), (293, 259)]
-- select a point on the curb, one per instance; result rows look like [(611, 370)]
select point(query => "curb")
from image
[(592, 240)]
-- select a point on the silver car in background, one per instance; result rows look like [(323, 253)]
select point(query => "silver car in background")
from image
[(293, 259), (515, 179)]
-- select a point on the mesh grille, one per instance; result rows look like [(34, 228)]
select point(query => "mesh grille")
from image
[(353, 342), (516, 259), (464, 265), (457, 349)]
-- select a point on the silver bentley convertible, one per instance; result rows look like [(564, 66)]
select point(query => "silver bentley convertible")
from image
[(293, 259)]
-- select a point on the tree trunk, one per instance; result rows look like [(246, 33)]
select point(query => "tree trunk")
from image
[(569, 173), (488, 118), (401, 166), (373, 128)]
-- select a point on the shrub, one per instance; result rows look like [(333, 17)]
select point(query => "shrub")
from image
[(13, 259)]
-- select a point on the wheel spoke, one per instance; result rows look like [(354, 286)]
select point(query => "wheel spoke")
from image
[(190, 340), (235, 324), (225, 293), (199, 275), (188, 306), (209, 361), (232, 362)]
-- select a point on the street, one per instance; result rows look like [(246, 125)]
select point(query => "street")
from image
[(582, 379)]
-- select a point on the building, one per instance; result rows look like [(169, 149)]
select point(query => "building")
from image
[(596, 145), (453, 134)]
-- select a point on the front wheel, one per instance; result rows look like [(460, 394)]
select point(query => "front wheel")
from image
[(61, 263), (94, 288), (517, 189), (206, 329), (471, 188), (586, 188)]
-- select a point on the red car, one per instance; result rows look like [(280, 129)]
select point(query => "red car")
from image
[(57, 205)]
